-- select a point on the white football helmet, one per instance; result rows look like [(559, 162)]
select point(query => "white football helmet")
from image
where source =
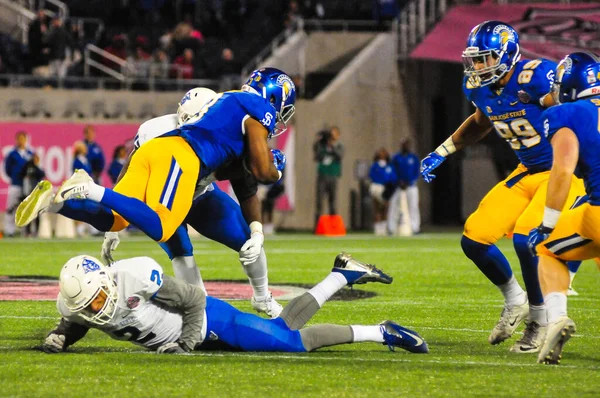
[(191, 104), (82, 279)]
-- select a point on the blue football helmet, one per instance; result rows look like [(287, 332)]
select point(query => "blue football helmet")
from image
[(277, 87), (492, 51), (577, 76)]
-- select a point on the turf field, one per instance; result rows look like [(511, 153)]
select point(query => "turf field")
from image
[(436, 291)]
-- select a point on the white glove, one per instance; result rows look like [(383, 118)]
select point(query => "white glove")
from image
[(170, 348), (111, 241), (54, 343), (251, 249)]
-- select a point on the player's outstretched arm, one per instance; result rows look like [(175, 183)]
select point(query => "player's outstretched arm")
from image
[(260, 163), (66, 333), (473, 129), (190, 301)]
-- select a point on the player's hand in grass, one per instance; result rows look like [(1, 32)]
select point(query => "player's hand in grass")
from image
[(171, 348), (54, 343), (111, 241)]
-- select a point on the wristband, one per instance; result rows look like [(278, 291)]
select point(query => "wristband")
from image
[(446, 148), (550, 217), (256, 227)]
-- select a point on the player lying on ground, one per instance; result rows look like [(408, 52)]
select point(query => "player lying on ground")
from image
[(132, 300), (574, 130), (214, 214), (509, 95)]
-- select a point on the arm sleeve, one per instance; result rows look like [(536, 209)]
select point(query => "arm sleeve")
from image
[(72, 331), (190, 300), (244, 187)]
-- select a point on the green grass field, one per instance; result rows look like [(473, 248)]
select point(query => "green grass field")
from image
[(436, 291)]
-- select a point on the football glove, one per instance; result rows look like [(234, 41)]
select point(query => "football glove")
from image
[(537, 236), (251, 250), (111, 241), (278, 159), (172, 348), (54, 343), (430, 163)]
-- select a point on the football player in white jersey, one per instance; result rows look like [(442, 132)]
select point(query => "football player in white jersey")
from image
[(133, 300)]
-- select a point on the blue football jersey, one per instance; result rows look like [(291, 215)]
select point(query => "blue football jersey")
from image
[(218, 136), (516, 109), (583, 118)]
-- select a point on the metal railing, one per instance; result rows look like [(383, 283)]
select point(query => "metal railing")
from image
[(108, 83), (416, 18), (57, 6), (18, 25), (89, 63)]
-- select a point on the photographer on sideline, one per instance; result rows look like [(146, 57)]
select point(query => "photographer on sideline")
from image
[(328, 152)]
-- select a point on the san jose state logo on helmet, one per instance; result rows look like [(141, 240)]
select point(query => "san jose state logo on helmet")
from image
[(577, 76)]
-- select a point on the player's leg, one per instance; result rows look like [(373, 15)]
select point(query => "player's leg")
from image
[(495, 217), (181, 253), (346, 271), (218, 217), (412, 197), (573, 268)]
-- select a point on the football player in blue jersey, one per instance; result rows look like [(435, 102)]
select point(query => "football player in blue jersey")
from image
[(510, 95), (158, 188), (573, 128)]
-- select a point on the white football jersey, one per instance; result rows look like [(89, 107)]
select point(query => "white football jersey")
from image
[(163, 124), (138, 318)]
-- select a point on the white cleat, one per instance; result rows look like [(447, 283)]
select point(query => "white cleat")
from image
[(572, 292), (268, 306), (76, 187), (559, 333), (509, 320), (532, 340), (35, 204)]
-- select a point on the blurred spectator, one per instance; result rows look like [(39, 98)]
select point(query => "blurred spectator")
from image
[(38, 51), (119, 157), (229, 69), (160, 65), (58, 39), (406, 165), (118, 49), (186, 37), (383, 180), (139, 63), (268, 205), (385, 10), (13, 166), (95, 156), (166, 40), (293, 14), (32, 174), (328, 153), (183, 67)]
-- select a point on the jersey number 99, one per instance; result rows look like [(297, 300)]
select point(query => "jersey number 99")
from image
[(520, 133)]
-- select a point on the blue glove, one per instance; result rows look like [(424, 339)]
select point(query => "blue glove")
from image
[(430, 163), (278, 159), (537, 236)]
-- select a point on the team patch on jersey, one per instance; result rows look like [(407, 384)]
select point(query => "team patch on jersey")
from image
[(133, 302), (89, 266), (523, 96)]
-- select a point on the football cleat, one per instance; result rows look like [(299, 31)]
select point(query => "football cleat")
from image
[(559, 333), (509, 320), (35, 204), (572, 292), (395, 335), (357, 272), (76, 187), (532, 340), (268, 306)]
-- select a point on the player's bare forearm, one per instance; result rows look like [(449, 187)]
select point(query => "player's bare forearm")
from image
[(125, 166), (565, 148), (251, 209), (473, 129), (259, 154)]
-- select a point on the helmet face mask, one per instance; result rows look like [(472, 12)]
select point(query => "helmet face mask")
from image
[(492, 51), (82, 280)]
